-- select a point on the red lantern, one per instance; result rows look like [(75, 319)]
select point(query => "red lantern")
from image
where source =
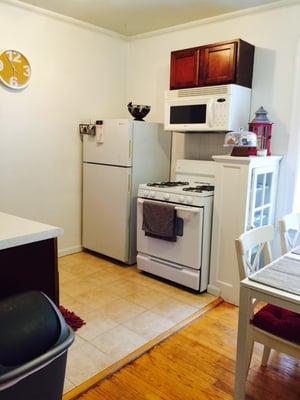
[(263, 129)]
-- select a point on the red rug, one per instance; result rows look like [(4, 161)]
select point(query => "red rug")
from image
[(72, 319)]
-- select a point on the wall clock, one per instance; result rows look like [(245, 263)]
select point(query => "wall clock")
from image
[(15, 69)]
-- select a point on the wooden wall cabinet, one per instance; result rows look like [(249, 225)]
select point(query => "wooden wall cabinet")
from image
[(219, 64), (185, 68), (214, 64)]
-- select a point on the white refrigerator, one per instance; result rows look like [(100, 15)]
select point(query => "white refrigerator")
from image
[(127, 154)]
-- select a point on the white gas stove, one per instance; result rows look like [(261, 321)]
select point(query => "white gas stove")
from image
[(185, 260)]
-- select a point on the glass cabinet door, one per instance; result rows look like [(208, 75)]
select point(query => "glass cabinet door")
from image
[(261, 207), (261, 202)]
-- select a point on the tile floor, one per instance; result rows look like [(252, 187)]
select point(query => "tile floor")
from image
[(123, 310)]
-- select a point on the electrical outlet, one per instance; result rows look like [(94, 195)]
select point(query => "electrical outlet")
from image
[(87, 129)]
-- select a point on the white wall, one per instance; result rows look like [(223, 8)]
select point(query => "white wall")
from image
[(293, 158), (274, 33), (77, 74)]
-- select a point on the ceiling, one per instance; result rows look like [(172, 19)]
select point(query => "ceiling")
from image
[(131, 17)]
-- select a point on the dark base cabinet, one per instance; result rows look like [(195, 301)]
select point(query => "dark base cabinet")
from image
[(213, 64), (32, 266)]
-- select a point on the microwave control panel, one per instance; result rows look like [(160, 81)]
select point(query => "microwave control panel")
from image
[(220, 113)]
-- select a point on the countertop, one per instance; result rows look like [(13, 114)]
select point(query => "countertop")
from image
[(16, 231), (256, 160)]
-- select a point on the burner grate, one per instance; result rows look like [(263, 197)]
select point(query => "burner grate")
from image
[(200, 189), (167, 184)]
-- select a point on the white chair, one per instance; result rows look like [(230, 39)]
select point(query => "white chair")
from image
[(261, 238), (289, 227)]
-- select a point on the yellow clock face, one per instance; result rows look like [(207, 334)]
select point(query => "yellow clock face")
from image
[(15, 69)]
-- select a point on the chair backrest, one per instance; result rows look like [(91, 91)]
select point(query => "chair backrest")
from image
[(259, 238), (289, 231)]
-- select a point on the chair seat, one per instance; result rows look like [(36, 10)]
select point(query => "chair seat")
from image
[(279, 322)]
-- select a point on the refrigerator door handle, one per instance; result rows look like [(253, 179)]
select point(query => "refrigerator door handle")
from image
[(129, 183), (130, 149)]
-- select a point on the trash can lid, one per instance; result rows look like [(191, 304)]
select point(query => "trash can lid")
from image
[(30, 325)]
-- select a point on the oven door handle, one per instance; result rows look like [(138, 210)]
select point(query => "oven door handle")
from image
[(194, 210), (188, 210)]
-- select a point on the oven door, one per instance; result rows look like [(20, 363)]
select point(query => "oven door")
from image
[(187, 250)]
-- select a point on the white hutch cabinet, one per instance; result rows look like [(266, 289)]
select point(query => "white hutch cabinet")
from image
[(245, 197)]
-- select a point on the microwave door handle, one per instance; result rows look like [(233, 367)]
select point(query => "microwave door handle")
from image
[(210, 112)]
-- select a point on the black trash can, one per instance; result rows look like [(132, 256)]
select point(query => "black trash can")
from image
[(34, 340)]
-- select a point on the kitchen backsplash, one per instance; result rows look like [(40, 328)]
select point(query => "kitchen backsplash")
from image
[(203, 146), (193, 146)]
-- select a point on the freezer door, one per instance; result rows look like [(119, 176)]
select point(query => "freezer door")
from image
[(116, 148), (106, 210)]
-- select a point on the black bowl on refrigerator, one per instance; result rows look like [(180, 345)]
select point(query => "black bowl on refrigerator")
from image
[(138, 111)]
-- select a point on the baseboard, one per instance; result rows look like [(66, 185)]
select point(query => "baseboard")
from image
[(216, 291), (69, 250)]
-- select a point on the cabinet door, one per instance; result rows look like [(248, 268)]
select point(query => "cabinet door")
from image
[(261, 204), (219, 64), (262, 197), (184, 68)]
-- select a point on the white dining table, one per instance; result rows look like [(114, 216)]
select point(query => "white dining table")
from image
[(250, 290)]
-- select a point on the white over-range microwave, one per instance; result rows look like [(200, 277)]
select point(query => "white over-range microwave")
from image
[(207, 109)]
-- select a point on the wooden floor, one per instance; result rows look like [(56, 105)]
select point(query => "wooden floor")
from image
[(198, 363)]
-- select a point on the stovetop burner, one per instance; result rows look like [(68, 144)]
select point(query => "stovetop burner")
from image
[(200, 189), (167, 184)]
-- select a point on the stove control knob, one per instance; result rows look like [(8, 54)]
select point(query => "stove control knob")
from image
[(189, 200), (166, 196), (181, 199), (152, 194)]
